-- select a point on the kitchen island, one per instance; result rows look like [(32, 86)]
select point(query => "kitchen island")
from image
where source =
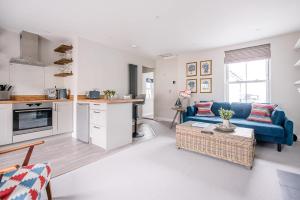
[(105, 123)]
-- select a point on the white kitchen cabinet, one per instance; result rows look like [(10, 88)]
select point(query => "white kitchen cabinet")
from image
[(6, 119), (62, 117), (110, 125)]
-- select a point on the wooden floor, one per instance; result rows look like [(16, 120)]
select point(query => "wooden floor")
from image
[(66, 153)]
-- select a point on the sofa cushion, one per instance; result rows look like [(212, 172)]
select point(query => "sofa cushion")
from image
[(241, 110), (204, 109), (261, 112), (260, 128), (27, 182), (278, 116), (218, 105)]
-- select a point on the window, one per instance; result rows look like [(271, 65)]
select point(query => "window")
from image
[(248, 81), (247, 74)]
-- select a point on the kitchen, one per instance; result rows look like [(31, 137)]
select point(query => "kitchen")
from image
[(40, 104)]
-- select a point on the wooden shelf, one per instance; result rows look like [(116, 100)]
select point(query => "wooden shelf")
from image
[(64, 74), (63, 61), (63, 48)]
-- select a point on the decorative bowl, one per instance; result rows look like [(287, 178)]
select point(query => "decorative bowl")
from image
[(221, 127)]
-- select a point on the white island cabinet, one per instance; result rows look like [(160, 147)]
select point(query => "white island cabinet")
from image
[(6, 119), (62, 117), (109, 124)]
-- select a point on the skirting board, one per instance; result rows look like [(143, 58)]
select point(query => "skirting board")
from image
[(163, 119), (31, 136)]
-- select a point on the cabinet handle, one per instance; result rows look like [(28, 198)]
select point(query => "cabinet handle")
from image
[(97, 127), (96, 112)]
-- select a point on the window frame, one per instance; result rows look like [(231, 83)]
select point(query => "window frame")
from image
[(267, 81)]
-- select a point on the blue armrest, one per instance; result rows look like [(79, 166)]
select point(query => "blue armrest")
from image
[(190, 111), (289, 131), (278, 117)]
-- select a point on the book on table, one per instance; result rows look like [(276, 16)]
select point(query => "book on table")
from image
[(200, 124)]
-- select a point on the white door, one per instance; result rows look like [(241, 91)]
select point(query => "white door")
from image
[(148, 89), (6, 119), (64, 117)]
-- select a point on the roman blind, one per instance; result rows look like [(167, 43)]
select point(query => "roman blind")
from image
[(248, 54)]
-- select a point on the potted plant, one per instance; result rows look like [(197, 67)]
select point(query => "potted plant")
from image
[(226, 115), (109, 93)]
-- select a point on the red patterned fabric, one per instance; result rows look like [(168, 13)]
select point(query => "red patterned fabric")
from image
[(25, 183), (204, 109), (261, 112)]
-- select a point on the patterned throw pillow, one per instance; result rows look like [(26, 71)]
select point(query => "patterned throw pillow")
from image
[(261, 112), (204, 109)]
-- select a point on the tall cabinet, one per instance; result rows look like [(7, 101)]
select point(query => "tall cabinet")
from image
[(6, 124), (62, 117)]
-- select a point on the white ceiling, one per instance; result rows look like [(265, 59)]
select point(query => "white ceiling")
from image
[(155, 26)]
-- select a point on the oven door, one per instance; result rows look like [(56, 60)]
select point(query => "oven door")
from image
[(32, 120)]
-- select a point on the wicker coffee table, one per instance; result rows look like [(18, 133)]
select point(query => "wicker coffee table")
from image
[(237, 147)]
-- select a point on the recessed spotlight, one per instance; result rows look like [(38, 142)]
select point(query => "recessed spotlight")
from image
[(134, 46)]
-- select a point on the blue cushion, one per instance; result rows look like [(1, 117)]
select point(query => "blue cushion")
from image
[(218, 105), (241, 110), (278, 116), (260, 128)]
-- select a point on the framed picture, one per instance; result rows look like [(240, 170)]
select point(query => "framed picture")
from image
[(191, 84), (205, 85), (191, 69), (206, 68)]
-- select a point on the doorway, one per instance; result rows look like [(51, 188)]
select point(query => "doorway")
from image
[(148, 89)]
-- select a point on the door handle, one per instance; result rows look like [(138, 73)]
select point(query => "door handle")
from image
[(97, 127), (96, 111)]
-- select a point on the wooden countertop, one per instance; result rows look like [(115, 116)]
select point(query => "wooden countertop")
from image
[(112, 101), (33, 101)]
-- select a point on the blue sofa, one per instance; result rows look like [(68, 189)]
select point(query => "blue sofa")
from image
[(279, 132)]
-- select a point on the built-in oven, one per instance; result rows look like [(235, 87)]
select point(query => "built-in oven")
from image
[(31, 117)]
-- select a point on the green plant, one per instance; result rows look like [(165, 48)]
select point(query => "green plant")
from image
[(109, 93), (226, 114)]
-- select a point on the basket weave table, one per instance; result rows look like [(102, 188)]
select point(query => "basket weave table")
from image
[(237, 147)]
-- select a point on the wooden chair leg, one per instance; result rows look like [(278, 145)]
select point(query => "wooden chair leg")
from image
[(48, 190)]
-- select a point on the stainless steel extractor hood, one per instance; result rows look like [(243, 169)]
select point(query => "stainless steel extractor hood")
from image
[(29, 50)]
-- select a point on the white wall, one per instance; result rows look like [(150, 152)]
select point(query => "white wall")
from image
[(166, 92), (26, 79), (283, 74), (102, 68)]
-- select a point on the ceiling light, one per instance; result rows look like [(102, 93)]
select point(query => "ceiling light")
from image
[(167, 56), (134, 46)]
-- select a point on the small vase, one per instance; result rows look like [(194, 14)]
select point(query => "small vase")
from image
[(226, 123)]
